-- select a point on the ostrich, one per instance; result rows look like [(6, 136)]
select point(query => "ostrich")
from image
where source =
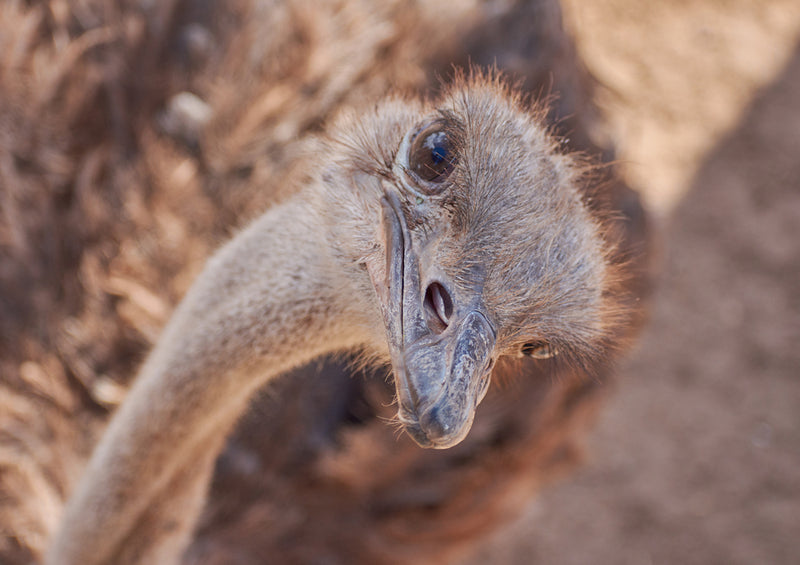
[(442, 237), (451, 237)]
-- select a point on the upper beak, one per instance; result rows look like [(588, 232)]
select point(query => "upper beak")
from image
[(441, 372)]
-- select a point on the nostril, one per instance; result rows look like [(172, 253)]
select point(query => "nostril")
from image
[(438, 307)]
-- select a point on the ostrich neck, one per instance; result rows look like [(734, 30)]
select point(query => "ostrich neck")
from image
[(263, 304)]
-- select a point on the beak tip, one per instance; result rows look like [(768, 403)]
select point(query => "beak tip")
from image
[(438, 429)]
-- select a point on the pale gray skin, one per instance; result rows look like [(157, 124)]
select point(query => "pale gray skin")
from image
[(346, 264)]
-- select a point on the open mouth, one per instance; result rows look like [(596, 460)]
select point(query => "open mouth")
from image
[(441, 344)]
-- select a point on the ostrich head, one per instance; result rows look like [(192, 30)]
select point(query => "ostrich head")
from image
[(477, 241)]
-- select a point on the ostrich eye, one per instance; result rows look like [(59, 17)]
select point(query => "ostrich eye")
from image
[(431, 156), (539, 350)]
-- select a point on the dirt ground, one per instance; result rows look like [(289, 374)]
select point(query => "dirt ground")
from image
[(696, 458)]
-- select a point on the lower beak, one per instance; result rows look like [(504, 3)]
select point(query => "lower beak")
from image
[(441, 374)]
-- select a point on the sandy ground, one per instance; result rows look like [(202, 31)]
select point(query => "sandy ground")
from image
[(696, 458)]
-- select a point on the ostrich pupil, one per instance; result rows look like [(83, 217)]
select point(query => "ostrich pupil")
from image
[(430, 156), (439, 151)]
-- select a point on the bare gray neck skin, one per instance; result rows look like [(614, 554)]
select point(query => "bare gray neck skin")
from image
[(263, 304)]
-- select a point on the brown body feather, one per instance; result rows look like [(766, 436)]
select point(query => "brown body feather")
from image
[(109, 208)]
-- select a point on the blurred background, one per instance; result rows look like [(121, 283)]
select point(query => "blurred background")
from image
[(696, 458)]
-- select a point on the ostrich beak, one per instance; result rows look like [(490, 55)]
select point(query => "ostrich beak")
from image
[(441, 372)]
